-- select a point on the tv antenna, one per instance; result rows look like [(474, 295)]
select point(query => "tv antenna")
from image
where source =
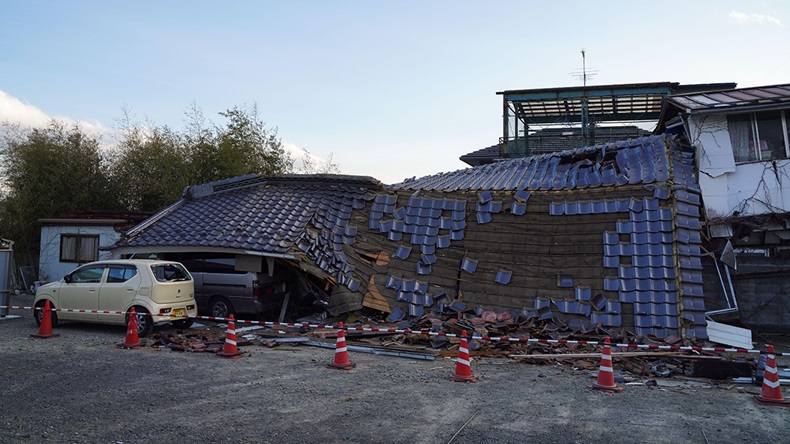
[(584, 74)]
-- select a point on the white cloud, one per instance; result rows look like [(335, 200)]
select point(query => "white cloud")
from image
[(743, 17), (299, 155), (15, 111)]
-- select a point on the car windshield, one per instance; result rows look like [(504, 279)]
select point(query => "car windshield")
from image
[(170, 272)]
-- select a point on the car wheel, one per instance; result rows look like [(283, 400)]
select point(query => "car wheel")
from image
[(145, 323), (38, 314), (220, 307), (183, 324)]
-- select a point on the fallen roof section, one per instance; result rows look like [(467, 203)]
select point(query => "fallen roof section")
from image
[(607, 236)]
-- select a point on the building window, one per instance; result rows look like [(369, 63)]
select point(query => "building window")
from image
[(761, 136), (79, 248)]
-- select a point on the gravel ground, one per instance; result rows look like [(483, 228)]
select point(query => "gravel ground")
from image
[(80, 388)]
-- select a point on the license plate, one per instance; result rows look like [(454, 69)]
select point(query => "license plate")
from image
[(178, 312)]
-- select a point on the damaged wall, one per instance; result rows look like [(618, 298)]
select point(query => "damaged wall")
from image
[(608, 236), (624, 256), (735, 190)]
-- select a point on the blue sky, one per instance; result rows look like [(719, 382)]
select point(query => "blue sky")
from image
[(392, 89)]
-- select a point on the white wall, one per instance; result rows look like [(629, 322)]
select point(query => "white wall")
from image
[(747, 188), (49, 265)]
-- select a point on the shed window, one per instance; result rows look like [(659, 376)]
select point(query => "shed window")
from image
[(759, 136), (79, 248)]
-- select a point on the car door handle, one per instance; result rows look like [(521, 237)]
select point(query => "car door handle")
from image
[(129, 289)]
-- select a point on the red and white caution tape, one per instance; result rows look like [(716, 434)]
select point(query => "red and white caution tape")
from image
[(306, 325)]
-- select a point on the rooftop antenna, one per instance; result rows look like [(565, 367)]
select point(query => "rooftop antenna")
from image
[(584, 74)]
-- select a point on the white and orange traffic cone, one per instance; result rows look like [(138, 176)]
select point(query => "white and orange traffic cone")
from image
[(463, 367), (132, 339), (341, 361), (45, 329), (229, 349), (772, 391), (606, 372)]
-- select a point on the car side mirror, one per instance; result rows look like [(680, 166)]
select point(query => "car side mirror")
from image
[(67, 278)]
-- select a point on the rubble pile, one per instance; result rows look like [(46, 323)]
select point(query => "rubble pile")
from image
[(491, 334)]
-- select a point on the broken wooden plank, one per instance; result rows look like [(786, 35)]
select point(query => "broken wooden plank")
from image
[(374, 299)]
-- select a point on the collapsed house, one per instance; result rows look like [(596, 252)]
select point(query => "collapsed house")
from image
[(606, 236)]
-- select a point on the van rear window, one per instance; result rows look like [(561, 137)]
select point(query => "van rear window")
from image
[(170, 273)]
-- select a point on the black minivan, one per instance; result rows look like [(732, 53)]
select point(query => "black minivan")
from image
[(227, 283)]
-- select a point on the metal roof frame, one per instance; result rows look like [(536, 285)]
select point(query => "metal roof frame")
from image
[(584, 107)]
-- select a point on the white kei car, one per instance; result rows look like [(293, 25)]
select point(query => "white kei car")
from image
[(155, 289)]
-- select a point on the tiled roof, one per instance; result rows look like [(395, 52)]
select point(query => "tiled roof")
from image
[(252, 213), (633, 161), (577, 235)]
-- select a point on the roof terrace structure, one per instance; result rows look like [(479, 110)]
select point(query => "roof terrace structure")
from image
[(579, 116)]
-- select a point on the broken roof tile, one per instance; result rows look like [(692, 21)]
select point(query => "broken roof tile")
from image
[(541, 303), (564, 280), (503, 277), (606, 320), (483, 218), (403, 252), (457, 305), (396, 315), (428, 259), (468, 265), (611, 261), (522, 195), (556, 209), (583, 293), (598, 301), (627, 296)]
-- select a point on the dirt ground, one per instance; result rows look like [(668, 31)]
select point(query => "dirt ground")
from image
[(80, 388)]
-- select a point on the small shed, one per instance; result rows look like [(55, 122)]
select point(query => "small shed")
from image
[(77, 238)]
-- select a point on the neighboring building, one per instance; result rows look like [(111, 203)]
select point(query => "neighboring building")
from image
[(606, 237), (742, 139), (77, 238), (536, 121)]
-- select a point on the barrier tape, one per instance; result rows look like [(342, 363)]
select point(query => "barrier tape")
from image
[(421, 332)]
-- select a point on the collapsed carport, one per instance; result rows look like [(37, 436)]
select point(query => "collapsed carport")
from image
[(606, 237)]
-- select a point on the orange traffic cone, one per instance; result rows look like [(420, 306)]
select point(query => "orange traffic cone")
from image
[(45, 329), (341, 361), (230, 350), (772, 392), (132, 340), (463, 369), (606, 372)]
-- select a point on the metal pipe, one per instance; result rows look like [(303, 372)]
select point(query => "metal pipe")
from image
[(732, 289), (732, 306)]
